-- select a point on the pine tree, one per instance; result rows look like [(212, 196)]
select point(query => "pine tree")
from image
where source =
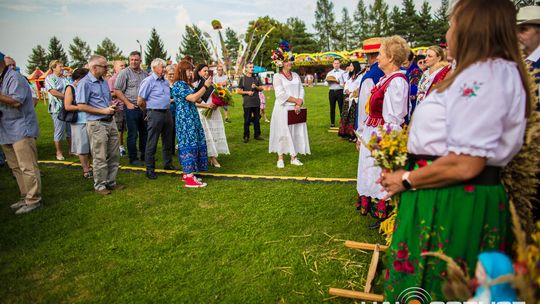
[(361, 28), (195, 45), (232, 43), (408, 27), (440, 22), (301, 40), (56, 51), (425, 37), (396, 22), (155, 48), (38, 59), (378, 19), (325, 24), (109, 50), (79, 51), (345, 32)]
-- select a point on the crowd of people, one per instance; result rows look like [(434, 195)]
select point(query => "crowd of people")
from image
[(466, 107)]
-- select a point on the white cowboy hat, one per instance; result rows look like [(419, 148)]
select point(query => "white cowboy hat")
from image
[(529, 15)]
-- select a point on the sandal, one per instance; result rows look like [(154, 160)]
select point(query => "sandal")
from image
[(89, 174)]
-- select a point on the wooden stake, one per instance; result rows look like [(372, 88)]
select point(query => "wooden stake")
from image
[(356, 295), (372, 269), (364, 246)]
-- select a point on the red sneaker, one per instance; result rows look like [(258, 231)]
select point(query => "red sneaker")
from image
[(192, 182), (184, 177)]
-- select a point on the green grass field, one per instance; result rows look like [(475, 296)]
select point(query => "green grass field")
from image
[(235, 241)]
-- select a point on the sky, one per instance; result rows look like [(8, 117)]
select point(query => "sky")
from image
[(25, 24)]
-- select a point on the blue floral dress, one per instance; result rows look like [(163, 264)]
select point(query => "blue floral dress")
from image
[(192, 152)]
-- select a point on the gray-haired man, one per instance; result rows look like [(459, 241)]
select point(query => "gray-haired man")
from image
[(155, 97), (93, 97)]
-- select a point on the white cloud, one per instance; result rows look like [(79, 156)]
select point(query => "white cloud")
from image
[(21, 7), (182, 17)]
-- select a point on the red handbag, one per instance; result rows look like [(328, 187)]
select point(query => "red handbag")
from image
[(294, 118)]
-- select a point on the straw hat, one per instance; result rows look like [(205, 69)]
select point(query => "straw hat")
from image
[(372, 45), (529, 15)]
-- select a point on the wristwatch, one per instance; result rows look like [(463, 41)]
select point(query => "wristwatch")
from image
[(406, 182)]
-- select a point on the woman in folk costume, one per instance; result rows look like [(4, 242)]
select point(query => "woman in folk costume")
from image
[(437, 67), (386, 106), (287, 138), (348, 117), (461, 136), (214, 130)]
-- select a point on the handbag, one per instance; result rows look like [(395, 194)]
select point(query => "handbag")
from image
[(65, 115), (294, 118)]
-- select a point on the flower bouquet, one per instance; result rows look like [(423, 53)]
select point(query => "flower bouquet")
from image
[(220, 97), (389, 149)]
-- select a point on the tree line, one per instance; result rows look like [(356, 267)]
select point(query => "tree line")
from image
[(419, 27)]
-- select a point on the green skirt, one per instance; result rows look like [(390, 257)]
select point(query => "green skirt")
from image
[(460, 221)]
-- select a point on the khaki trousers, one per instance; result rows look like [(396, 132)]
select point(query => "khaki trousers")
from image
[(105, 149), (22, 158)]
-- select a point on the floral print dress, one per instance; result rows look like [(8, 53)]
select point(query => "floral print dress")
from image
[(192, 151)]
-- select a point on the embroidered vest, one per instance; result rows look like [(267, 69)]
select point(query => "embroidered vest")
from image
[(376, 100), (439, 77)]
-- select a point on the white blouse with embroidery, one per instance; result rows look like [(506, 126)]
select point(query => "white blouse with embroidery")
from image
[(481, 114)]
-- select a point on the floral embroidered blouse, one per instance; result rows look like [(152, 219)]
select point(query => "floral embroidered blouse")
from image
[(481, 114)]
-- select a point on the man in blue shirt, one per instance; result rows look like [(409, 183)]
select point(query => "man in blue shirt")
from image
[(18, 132), (94, 98), (155, 96)]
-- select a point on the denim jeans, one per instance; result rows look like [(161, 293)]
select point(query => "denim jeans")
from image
[(136, 128)]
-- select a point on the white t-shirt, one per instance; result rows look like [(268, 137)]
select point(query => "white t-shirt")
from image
[(481, 114)]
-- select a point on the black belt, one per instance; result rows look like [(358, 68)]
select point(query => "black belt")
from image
[(158, 110), (489, 176), (106, 119)]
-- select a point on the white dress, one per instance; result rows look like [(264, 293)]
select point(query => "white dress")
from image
[(214, 131), (285, 138), (394, 111), (482, 113)]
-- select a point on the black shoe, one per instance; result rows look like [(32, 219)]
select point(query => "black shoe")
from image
[(375, 225), (136, 162), (259, 138), (332, 125), (151, 174), (171, 167), (246, 139)]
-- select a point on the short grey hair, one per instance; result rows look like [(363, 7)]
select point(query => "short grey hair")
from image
[(94, 59), (158, 61), (169, 68)]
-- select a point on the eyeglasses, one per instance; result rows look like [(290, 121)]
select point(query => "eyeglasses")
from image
[(103, 66)]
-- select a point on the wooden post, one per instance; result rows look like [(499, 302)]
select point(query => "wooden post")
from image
[(364, 246), (372, 269), (356, 295)]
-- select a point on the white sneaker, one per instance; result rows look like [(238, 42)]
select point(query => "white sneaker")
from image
[(280, 164), (18, 205), (122, 151), (296, 162), (28, 208)]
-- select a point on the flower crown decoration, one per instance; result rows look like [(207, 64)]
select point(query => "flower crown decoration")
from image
[(282, 53)]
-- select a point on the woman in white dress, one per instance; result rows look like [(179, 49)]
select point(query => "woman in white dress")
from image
[(435, 62), (388, 108), (284, 138), (214, 130)]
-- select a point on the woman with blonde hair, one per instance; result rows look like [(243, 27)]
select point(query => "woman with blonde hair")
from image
[(436, 64), (55, 83), (461, 136), (387, 107)]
